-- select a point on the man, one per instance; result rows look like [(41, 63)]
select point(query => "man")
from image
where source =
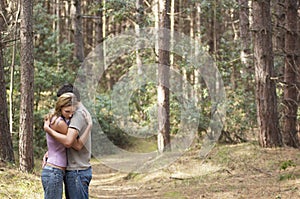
[(79, 170)]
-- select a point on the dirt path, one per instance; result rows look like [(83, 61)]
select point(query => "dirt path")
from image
[(229, 172), (239, 171)]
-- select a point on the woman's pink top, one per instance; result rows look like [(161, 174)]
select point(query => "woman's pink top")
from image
[(57, 153)]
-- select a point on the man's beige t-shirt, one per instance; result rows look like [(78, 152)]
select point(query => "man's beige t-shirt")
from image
[(79, 160)]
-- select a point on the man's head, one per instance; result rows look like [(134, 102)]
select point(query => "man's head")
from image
[(68, 88)]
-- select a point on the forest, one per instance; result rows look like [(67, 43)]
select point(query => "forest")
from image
[(172, 85)]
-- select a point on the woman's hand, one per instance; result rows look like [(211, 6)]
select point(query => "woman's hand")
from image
[(88, 118), (46, 124), (45, 158)]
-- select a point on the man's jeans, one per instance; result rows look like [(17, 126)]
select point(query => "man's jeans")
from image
[(52, 180), (77, 183)]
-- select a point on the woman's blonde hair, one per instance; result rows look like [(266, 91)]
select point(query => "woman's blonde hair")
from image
[(65, 100)]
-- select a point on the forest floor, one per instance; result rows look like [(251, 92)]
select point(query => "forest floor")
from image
[(230, 171)]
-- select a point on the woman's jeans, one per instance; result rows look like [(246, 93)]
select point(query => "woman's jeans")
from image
[(77, 183), (52, 180)]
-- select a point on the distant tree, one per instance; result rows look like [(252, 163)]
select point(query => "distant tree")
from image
[(138, 25), (27, 92), (6, 149), (266, 99), (99, 22), (279, 23), (290, 137), (245, 33), (99, 33), (163, 77), (77, 29)]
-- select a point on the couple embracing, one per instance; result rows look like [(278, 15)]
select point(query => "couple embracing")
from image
[(67, 160)]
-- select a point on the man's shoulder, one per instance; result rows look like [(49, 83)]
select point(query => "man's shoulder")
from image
[(80, 106), (82, 109), (80, 114)]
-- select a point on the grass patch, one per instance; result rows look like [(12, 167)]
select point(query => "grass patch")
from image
[(131, 176), (287, 170), (143, 145), (175, 194), (16, 184)]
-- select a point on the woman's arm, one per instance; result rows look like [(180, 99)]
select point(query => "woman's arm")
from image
[(66, 139), (59, 126)]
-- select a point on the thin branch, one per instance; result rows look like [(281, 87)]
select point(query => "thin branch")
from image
[(11, 40)]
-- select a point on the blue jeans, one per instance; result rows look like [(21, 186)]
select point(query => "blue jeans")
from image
[(52, 180), (77, 183)]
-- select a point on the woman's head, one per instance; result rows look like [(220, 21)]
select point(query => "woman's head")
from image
[(66, 105)]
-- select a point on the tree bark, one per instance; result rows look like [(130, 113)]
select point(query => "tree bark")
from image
[(267, 115), (27, 92), (6, 149), (279, 21), (139, 24), (12, 70), (99, 23), (298, 67), (244, 33), (88, 28), (290, 137), (57, 24), (77, 28), (197, 85), (163, 76)]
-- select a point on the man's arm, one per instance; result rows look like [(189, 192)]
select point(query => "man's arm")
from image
[(66, 139), (79, 143)]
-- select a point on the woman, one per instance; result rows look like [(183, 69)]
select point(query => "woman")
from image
[(54, 170)]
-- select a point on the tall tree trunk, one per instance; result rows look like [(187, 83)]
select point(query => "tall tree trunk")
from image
[(27, 92), (139, 24), (245, 38), (12, 71), (197, 86), (244, 33), (214, 27), (99, 23), (106, 31), (290, 136), (172, 29), (184, 28), (163, 76), (88, 28), (191, 74), (99, 32), (68, 21), (279, 33), (156, 21), (6, 149), (267, 115), (214, 46), (298, 67), (58, 30), (77, 28)]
